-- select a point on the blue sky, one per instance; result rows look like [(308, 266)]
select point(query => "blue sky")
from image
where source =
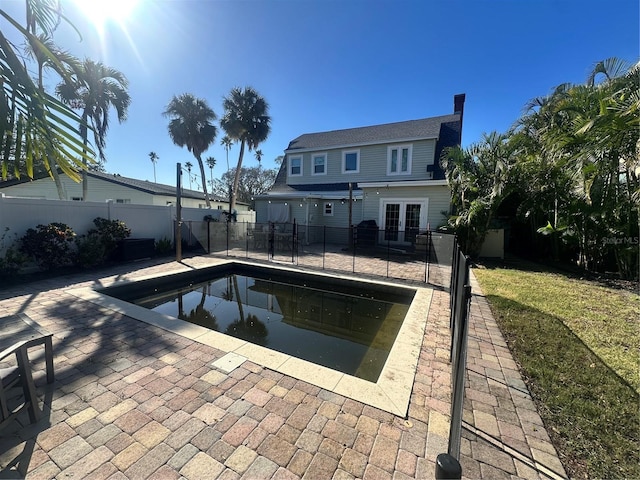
[(325, 64)]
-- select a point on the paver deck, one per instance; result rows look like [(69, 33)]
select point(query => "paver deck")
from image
[(135, 401)]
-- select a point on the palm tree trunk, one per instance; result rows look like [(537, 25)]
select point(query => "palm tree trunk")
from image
[(236, 179), (84, 134), (204, 182)]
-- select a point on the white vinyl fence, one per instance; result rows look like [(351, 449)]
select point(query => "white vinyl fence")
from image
[(17, 215)]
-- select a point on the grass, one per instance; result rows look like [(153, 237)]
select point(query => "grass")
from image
[(578, 346)]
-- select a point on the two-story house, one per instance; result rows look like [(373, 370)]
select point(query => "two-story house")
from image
[(387, 173)]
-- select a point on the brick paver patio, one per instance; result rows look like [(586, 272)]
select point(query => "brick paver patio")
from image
[(135, 401)]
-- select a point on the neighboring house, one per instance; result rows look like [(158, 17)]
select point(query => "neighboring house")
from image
[(393, 171), (111, 187)]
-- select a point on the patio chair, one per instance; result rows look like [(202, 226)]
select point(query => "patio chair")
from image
[(17, 389)]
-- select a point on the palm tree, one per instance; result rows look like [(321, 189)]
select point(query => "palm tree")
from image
[(188, 166), (245, 120), (258, 155), (480, 178), (40, 48), (95, 88), (153, 156), (36, 121), (226, 142), (191, 126), (211, 162)]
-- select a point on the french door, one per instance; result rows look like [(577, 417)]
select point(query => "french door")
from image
[(403, 219)]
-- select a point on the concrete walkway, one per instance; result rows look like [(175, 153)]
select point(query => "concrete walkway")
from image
[(133, 401)]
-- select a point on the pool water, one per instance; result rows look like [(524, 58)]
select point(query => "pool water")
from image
[(347, 328)]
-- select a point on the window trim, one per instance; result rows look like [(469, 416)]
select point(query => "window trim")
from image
[(324, 209), (399, 148), (313, 165), (291, 158), (344, 160)]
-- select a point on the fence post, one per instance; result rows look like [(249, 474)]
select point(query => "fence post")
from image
[(246, 239), (294, 239), (208, 237), (324, 243), (426, 257), (354, 242), (228, 234), (447, 467), (388, 252)]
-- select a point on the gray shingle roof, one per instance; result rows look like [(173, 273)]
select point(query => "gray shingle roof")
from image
[(411, 129), (141, 185)]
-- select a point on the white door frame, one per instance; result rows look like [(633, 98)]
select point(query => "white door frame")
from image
[(424, 206)]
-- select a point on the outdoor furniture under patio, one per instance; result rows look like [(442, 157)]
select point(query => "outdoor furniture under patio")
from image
[(18, 335)]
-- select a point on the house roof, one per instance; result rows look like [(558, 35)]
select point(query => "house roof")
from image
[(399, 131), (134, 183)]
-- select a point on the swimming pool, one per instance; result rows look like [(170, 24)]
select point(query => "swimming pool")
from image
[(349, 327), (388, 387)]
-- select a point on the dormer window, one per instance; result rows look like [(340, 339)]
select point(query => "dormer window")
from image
[(399, 160), (319, 164), (295, 166)]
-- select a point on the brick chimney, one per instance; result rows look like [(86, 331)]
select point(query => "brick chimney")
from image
[(458, 103)]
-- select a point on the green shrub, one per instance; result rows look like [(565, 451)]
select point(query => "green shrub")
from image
[(163, 246), (91, 251), (110, 232), (49, 245), (13, 259)]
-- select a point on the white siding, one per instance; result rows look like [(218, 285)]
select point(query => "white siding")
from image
[(373, 165), (438, 201)]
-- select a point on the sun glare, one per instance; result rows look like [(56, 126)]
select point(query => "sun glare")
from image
[(101, 11)]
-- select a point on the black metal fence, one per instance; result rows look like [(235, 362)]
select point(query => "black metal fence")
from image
[(414, 256), (430, 257), (447, 464)]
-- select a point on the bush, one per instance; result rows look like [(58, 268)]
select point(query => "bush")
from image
[(110, 232), (99, 243), (163, 246), (49, 245), (91, 251), (13, 259)]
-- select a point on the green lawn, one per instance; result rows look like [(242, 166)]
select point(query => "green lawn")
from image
[(578, 345)]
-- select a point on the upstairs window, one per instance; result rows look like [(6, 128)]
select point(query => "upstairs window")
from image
[(328, 209), (295, 166), (399, 160), (319, 164), (351, 161), (123, 200)]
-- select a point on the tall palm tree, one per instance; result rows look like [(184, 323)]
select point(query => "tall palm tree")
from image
[(153, 156), (189, 166), (191, 126), (211, 162), (258, 155), (246, 120), (95, 88), (226, 142)]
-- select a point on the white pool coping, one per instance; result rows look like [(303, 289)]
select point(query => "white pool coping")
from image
[(390, 393)]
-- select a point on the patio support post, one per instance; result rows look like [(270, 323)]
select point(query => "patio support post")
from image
[(208, 237), (228, 218)]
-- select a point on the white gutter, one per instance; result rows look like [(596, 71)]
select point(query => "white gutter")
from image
[(407, 183)]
